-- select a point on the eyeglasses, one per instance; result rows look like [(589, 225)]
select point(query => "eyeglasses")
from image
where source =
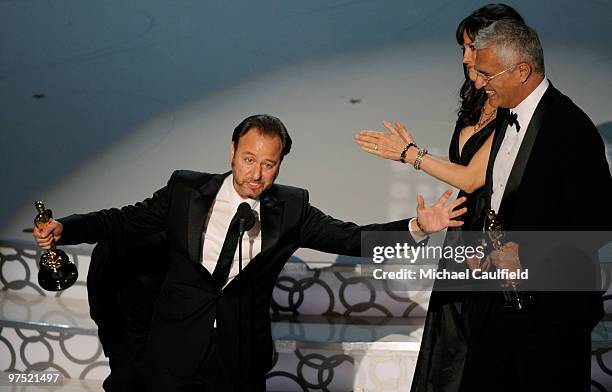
[(489, 78)]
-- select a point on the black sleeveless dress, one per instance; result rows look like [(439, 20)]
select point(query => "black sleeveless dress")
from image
[(444, 344), (476, 200)]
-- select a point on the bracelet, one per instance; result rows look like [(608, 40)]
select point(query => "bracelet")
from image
[(420, 227), (419, 158), (403, 155)]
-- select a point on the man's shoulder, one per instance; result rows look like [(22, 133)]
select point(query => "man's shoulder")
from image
[(562, 118), (287, 192), (194, 178), (565, 120), (563, 107), (184, 182), (191, 174)]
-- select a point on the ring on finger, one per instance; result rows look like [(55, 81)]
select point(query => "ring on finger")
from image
[(375, 147)]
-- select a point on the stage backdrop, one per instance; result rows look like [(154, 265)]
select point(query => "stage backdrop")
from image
[(101, 101)]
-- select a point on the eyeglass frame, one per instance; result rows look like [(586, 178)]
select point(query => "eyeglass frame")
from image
[(489, 78)]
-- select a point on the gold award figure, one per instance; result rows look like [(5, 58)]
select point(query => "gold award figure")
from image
[(514, 299), (56, 271)]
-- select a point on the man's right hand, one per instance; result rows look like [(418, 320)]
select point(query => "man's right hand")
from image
[(476, 262), (47, 233)]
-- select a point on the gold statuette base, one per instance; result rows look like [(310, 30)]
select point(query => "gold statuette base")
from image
[(56, 272)]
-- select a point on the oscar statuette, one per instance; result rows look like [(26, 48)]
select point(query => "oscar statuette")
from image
[(56, 271), (514, 299)]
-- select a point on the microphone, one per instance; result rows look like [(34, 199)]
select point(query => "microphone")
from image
[(246, 217)]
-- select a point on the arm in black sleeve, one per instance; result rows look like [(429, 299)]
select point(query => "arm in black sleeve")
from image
[(321, 232), (119, 225)]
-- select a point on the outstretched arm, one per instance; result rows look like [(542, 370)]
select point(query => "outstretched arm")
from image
[(324, 233), (391, 144), (119, 226)]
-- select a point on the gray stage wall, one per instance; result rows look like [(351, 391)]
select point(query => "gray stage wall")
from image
[(100, 101)]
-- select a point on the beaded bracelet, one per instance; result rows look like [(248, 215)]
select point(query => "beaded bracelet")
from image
[(421, 227), (403, 155)]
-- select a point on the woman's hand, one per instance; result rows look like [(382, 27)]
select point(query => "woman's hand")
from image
[(388, 144)]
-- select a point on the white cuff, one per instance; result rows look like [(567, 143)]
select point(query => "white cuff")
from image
[(416, 237)]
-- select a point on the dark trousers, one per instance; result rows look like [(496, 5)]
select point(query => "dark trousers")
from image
[(528, 357), (129, 369), (211, 376)]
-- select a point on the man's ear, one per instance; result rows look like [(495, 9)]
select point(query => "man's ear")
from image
[(525, 71), (232, 151)]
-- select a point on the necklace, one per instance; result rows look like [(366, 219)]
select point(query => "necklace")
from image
[(484, 119)]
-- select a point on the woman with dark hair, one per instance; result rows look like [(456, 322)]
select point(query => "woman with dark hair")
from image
[(445, 338), (465, 167)]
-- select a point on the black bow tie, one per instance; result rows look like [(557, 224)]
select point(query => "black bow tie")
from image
[(513, 119)]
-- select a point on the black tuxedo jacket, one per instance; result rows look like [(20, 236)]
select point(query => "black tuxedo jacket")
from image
[(122, 287), (189, 301), (114, 270), (560, 181)]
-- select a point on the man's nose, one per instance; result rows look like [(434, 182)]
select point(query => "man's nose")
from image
[(257, 172)]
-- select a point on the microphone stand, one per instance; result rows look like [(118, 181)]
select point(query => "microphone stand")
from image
[(241, 227)]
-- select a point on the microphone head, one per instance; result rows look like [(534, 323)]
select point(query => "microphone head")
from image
[(246, 214)]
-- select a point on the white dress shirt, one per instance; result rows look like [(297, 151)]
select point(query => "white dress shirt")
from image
[(504, 161), (217, 222)]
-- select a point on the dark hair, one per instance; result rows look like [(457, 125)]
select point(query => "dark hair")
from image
[(267, 125), (472, 99)]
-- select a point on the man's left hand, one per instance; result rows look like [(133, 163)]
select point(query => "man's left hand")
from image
[(440, 215)]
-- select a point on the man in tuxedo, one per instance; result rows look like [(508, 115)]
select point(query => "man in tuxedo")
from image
[(210, 327), (547, 171)]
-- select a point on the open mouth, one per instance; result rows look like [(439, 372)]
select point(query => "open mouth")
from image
[(254, 185)]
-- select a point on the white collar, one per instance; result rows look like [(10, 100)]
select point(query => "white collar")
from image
[(524, 110)]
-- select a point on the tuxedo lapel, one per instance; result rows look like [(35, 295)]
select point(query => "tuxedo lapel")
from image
[(199, 206), (518, 168), (271, 214), (484, 302), (497, 141)]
